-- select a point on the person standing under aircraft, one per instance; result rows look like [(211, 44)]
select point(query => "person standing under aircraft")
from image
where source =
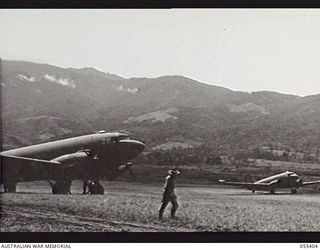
[(89, 186), (169, 194), (85, 186)]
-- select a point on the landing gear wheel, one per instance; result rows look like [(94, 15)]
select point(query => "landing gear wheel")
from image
[(100, 188), (96, 188), (272, 192), (253, 191), (61, 187), (293, 190)]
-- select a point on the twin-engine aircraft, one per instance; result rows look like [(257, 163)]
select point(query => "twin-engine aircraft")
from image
[(286, 180), (90, 157)]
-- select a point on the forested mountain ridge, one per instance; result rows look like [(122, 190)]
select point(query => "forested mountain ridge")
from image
[(41, 102)]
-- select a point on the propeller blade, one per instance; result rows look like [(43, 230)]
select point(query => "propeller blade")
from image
[(127, 168)]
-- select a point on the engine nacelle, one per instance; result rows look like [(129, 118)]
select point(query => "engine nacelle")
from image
[(74, 157)]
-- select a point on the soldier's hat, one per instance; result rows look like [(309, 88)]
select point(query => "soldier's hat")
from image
[(174, 171)]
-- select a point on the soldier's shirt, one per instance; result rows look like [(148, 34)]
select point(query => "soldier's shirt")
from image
[(169, 185)]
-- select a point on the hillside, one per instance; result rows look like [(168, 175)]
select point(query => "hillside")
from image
[(41, 102)]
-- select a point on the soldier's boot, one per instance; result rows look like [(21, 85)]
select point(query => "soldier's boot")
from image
[(174, 209), (173, 216), (160, 217), (164, 203)]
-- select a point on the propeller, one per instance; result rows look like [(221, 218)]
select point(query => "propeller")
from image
[(127, 168)]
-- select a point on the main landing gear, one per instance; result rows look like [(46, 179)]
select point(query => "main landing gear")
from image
[(94, 187), (61, 187), (293, 190), (10, 187)]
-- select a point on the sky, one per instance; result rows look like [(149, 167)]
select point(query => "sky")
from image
[(240, 49)]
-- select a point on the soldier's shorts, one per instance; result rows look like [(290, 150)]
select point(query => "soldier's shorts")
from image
[(169, 197)]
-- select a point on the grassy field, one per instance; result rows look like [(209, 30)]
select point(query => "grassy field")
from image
[(133, 207)]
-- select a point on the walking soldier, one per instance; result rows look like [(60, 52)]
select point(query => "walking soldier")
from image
[(168, 194)]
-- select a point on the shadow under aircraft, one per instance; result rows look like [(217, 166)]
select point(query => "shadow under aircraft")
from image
[(102, 155), (286, 180)]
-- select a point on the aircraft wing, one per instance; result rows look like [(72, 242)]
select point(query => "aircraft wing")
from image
[(26, 169), (307, 183), (249, 185)]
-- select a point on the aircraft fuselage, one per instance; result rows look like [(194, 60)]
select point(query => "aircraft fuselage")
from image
[(94, 156), (284, 180)]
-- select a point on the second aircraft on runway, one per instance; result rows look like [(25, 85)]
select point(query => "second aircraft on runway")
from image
[(286, 180)]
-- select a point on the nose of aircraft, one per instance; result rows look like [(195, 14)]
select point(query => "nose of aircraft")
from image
[(132, 147)]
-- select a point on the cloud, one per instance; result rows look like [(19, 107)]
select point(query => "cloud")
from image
[(62, 81), (132, 91), (25, 78)]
